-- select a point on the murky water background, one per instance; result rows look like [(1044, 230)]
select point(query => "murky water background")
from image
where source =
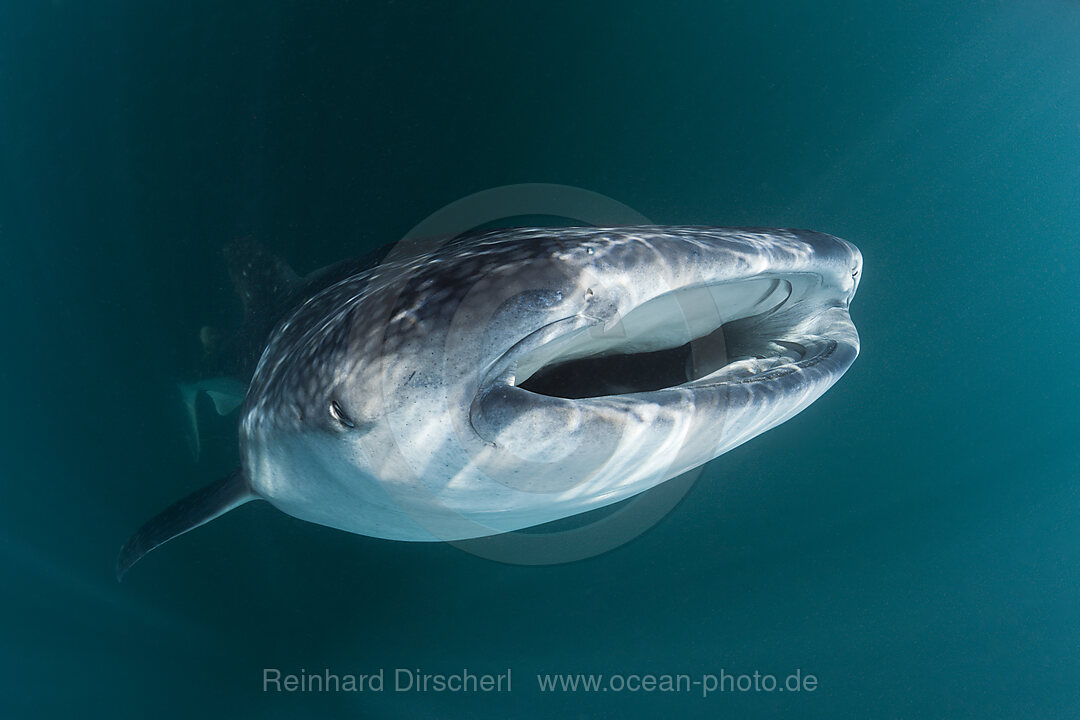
[(912, 539)]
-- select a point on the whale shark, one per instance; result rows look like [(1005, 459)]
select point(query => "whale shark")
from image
[(512, 377)]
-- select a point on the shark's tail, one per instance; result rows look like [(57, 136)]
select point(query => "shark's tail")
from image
[(198, 508)]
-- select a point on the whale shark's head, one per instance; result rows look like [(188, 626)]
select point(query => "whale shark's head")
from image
[(514, 377)]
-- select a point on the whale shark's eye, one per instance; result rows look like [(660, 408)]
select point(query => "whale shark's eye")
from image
[(338, 414)]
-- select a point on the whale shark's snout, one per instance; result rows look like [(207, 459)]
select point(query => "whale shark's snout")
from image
[(514, 377)]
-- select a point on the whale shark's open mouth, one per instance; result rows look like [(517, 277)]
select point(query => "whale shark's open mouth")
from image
[(702, 335)]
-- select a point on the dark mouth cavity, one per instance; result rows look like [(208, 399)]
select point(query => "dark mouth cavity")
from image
[(617, 373)]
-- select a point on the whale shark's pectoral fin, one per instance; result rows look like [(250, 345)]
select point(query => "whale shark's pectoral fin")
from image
[(198, 508), (225, 393)]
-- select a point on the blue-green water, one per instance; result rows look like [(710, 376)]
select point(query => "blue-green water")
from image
[(912, 539)]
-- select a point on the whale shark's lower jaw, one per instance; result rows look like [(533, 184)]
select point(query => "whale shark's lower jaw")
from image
[(680, 380)]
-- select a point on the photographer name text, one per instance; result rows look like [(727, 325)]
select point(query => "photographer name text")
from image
[(274, 680)]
